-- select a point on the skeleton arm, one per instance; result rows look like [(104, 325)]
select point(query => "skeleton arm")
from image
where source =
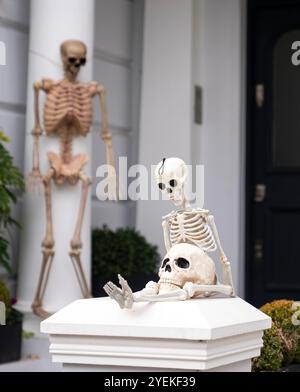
[(165, 225), (35, 178), (224, 261), (37, 131), (106, 135), (107, 138), (194, 290), (125, 297)]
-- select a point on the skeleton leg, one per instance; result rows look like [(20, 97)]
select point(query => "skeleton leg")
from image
[(47, 249), (76, 244), (226, 267)]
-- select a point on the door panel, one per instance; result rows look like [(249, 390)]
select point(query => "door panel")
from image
[(286, 96), (273, 152)]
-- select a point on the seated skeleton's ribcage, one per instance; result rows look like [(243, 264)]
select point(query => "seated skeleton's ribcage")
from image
[(192, 228)]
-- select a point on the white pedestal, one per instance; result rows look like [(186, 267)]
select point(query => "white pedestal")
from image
[(213, 334)]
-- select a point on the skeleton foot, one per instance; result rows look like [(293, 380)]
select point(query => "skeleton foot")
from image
[(40, 311), (123, 295)]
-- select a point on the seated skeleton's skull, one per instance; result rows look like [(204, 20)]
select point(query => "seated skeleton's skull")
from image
[(170, 176), (185, 263)]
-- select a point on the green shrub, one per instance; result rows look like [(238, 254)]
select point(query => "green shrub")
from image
[(124, 251), (282, 340), (271, 354), (11, 186)]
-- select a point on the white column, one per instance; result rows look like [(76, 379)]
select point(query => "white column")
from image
[(166, 121), (52, 22)]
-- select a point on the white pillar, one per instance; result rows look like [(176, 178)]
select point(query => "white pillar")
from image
[(166, 112), (52, 22)]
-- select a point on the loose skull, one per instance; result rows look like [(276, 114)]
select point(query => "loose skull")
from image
[(73, 54), (170, 175), (185, 263)]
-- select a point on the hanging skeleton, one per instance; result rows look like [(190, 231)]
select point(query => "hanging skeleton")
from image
[(67, 114), (189, 234)]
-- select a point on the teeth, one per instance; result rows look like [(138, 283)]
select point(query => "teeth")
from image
[(171, 282)]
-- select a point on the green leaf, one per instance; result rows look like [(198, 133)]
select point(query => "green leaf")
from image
[(11, 188), (3, 137)]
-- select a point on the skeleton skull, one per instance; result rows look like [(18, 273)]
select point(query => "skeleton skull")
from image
[(170, 175), (73, 54), (185, 263)]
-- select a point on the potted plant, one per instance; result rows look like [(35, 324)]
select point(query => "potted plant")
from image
[(281, 349), (11, 332), (126, 252), (11, 187)]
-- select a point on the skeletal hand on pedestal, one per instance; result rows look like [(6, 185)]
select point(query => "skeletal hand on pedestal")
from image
[(123, 295)]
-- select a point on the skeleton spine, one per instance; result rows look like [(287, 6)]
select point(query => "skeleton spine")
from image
[(66, 146)]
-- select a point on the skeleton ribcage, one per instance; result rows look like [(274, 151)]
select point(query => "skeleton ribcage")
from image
[(191, 228), (68, 105)]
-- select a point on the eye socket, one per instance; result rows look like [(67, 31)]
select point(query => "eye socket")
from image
[(173, 183), (164, 263), (182, 263), (72, 60), (83, 61), (161, 186)]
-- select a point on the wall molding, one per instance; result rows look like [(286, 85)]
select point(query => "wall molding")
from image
[(109, 203), (13, 107), (12, 24), (100, 54), (115, 129)]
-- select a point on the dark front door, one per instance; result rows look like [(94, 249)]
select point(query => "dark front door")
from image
[(273, 146)]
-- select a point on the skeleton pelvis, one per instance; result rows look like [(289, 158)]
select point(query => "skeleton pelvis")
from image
[(67, 171)]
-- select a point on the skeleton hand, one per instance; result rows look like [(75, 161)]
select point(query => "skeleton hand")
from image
[(123, 296), (112, 183), (34, 181)]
